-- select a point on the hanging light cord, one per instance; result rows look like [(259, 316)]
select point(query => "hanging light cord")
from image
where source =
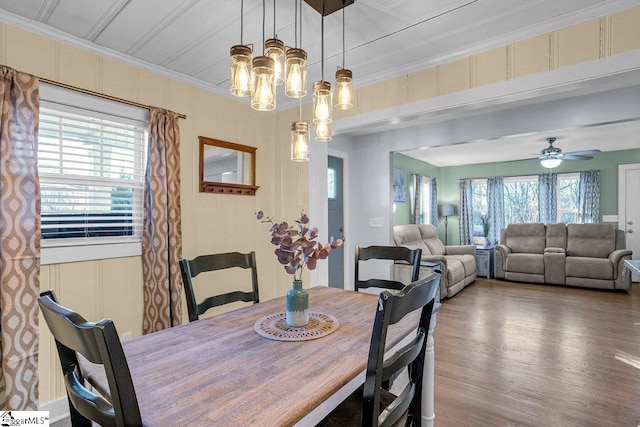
[(300, 24), (274, 19), (295, 33), (241, 20), (322, 43), (263, 24), (343, 44)]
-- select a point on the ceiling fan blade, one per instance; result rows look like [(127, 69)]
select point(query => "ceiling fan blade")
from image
[(576, 157), (582, 152)]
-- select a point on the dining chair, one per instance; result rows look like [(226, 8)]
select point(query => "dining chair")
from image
[(372, 404), (99, 344), (393, 253), (214, 262)]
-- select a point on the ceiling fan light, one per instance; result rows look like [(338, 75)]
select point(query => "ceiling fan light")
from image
[(240, 65), (550, 163), (263, 84), (295, 85), (300, 141), (322, 104), (274, 49), (344, 89)]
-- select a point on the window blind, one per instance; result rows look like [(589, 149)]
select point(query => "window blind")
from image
[(91, 168)]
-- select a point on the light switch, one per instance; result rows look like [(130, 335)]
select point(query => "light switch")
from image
[(609, 218), (376, 223)]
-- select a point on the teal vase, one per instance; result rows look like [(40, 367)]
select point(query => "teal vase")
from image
[(297, 309)]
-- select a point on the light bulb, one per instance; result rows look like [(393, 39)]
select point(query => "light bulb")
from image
[(242, 77), (274, 49), (263, 88), (240, 66), (300, 141), (344, 89), (322, 105), (295, 85), (323, 132)]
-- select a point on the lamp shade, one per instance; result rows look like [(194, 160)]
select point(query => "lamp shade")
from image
[(447, 210)]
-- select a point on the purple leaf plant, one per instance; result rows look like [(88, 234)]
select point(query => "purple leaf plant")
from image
[(296, 245)]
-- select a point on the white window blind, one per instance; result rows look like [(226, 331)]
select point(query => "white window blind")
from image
[(91, 178)]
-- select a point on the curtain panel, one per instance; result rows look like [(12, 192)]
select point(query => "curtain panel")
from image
[(495, 209), (19, 240), (433, 187), (589, 197), (465, 211), (548, 198), (162, 234), (416, 199)]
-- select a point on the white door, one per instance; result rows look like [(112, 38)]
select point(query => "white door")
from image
[(629, 207)]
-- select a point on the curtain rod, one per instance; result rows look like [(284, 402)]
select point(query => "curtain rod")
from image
[(101, 95)]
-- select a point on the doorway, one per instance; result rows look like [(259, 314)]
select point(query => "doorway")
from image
[(629, 208), (335, 199)]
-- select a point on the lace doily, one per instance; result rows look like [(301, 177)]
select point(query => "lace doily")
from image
[(275, 327)]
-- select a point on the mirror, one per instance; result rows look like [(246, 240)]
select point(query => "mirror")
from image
[(226, 167)]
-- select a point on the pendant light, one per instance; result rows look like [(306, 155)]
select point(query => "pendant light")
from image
[(240, 61), (300, 138), (322, 102), (274, 49), (296, 64), (323, 132), (263, 82), (344, 78)]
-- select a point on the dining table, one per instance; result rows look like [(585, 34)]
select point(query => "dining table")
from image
[(218, 371)]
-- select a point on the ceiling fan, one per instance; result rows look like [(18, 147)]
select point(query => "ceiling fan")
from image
[(551, 156)]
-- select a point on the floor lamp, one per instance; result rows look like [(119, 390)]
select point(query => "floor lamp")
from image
[(446, 212)]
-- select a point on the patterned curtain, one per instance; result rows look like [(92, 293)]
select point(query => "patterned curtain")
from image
[(19, 240), (495, 208), (589, 197), (433, 186), (465, 211), (162, 236), (416, 199), (548, 198)]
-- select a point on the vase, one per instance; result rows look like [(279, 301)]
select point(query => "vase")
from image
[(297, 305)]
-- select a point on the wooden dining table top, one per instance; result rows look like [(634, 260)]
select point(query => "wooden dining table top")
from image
[(219, 372)]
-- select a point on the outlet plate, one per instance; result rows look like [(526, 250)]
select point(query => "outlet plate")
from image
[(609, 218), (376, 222)]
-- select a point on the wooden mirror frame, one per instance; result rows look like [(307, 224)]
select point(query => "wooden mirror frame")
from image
[(226, 187)]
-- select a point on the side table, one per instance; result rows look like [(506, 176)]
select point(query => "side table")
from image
[(484, 261)]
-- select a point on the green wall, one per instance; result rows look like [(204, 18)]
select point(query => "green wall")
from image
[(447, 179)]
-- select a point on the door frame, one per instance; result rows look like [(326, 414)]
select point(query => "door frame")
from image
[(348, 254), (622, 203)]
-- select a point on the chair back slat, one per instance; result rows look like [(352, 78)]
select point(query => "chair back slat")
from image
[(390, 253), (214, 262), (99, 343)]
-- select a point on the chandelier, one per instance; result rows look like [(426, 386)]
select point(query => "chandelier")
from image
[(281, 65)]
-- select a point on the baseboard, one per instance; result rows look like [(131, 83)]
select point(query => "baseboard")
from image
[(58, 409)]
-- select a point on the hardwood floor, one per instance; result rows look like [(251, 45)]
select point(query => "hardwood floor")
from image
[(511, 354)]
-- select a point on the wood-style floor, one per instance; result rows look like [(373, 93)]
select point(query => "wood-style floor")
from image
[(511, 354)]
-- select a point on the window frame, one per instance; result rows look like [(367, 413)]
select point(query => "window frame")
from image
[(56, 251)]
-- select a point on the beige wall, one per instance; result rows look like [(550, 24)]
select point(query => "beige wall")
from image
[(218, 223)]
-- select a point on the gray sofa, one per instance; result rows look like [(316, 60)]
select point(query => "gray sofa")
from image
[(586, 255), (458, 262)]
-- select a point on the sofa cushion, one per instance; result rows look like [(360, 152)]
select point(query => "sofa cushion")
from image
[(430, 237), (556, 236), (455, 271), (468, 263), (590, 240), (593, 268), (526, 238), (525, 263), (406, 234)]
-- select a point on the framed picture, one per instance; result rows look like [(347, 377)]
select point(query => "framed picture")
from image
[(399, 185)]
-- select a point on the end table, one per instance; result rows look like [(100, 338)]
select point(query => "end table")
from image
[(484, 261)]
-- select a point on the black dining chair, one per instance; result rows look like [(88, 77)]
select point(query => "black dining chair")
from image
[(114, 405), (372, 404), (392, 253), (214, 262)]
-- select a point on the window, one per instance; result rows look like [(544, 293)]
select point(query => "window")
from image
[(568, 198), (521, 200), (91, 167), (425, 201)]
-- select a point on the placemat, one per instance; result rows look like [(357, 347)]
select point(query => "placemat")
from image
[(274, 327)]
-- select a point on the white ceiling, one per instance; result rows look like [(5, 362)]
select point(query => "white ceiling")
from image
[(605, 137), (189, 40)]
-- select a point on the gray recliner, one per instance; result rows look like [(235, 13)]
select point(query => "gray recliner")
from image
[(458, 262)]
